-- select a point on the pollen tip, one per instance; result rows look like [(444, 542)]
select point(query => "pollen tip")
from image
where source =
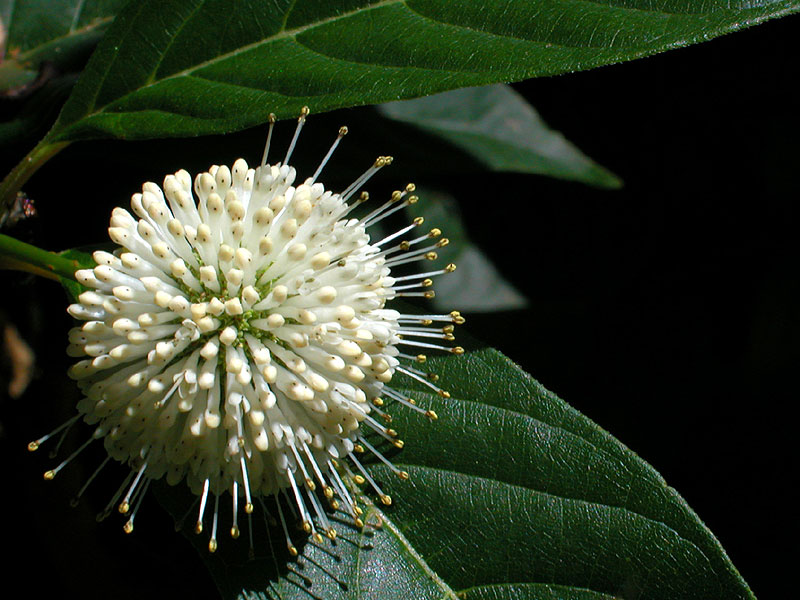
[(292, 551), (198, 528), (398, 444), (248, 508), (403, 475), (235, 532), (124, 507), (386, 499), (331, 533), (212, 545), (128, 527), (431, 415), (33, 446), (49, 475), (457, 350)]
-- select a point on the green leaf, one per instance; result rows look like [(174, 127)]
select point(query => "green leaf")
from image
[(502, 130), (369, 564), (513, 495), (192, 67), (59, 31), (512, 487)]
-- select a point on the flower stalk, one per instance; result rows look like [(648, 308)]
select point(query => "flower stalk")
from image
[(20, 256)]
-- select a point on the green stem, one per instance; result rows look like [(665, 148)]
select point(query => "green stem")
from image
[(14, 181), (25, 257)]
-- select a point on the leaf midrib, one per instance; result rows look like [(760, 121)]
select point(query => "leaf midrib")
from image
[(284, 33), (447, 592)]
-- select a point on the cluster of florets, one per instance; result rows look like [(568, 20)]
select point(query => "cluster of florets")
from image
[(239, 338)]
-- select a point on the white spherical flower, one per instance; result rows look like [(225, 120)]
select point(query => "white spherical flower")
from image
[(239, 338)]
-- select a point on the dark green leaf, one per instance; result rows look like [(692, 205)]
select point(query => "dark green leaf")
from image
[(191, 67), (511, 486), (513, 494), (500, 129), (59, 31), (372, 563)]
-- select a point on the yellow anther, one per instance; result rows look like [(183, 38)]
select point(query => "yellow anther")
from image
[(343, 131), (234, 532), (435, 232), (396, 195), (377, 401), (331, 533), (403, 475), (327, 492), (358, 448), (303, 113), (442, 243), (391, 432), (306, 526), (431, 256), (358, 523), (429, 295), (398, 443), (248, 508), (212, 545), (404, 245), (359, 479), (292, 551), (198, 528), (128, 527), (124, 508), (421, 358), (317, 537), (272, 118), (457, 350), (386, 499), (431, 415), (33, 446), (48, 475), (427, 282), (412, 200), (419, 221), (450, 268)]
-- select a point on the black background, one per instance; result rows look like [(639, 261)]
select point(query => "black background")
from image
[(667, 312)]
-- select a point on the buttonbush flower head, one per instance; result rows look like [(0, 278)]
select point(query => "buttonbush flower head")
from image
[(240, 340)]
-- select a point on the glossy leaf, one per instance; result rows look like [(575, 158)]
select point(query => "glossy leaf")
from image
[(192, 67), (499, 128), (372, 563), (512, 487), (59, 31), (513, 494)]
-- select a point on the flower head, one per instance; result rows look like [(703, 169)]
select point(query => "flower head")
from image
[(239, 338)]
